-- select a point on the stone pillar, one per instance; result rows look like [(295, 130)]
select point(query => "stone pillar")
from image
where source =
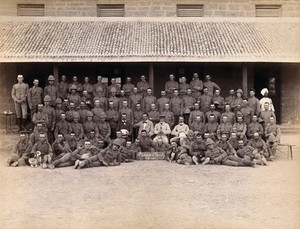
[(55, 73), (151, 76), (245, 79)]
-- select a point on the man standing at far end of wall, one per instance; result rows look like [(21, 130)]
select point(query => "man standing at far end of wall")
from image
[(265, 92), (19, 95)]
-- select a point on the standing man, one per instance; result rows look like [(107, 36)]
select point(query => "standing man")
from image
[(142, 86), (196, 112), (169, 116), (51, 90), (148, 100), (113, 98), (19, 95), (135, 98), (254, 102), (183, 86), (76, 83), (205, 100), (100, 89), (229, 99), (219, 100), (114, 85), (170, 86), (87, 86), (63, 87), (51, 117), (128, 87), (197, 86), (34, 97), (176, 104), (265, 92), (211, 86), (188, 104), (112, 117), (162, 101)]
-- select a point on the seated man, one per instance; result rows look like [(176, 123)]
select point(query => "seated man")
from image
[(250, 154), (216, 155), (162, 130), (104, 129), (198, 149), (60, 147), (161, 146), (198, 126), (224, 128), (125, 126), (70, 158), (224, 144), (180, 130), (231, 153), (145, 124), (240, 128), (20, 152), (110, 156), (178, 155), (211, 127), (260, 145), (135, 147), (254, 126), (127, 153), (272, 134), (146, 143), (186, 143), (44, 149)]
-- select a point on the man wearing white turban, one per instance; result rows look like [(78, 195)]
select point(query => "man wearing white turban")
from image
[(265, 98)]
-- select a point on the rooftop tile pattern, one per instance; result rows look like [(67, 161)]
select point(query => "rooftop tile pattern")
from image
[(153, 40)]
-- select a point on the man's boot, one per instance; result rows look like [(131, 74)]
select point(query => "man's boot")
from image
[(22, 124), (19, 124)]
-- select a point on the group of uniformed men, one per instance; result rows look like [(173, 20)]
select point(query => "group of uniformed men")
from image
[(85, 125)]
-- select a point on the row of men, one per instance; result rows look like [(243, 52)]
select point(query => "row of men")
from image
[(162, 124), (181, 97), (188, 150)]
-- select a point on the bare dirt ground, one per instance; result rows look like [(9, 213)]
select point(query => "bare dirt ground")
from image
[(152, 194)]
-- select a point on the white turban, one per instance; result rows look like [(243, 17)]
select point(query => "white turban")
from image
[(263, 91)]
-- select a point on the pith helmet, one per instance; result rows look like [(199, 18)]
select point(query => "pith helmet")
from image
[(47, 98), (51, 77), (117, 142), (73, 87), (209, 141)]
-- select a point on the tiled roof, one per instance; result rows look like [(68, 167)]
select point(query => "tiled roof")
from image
[(128, 39)]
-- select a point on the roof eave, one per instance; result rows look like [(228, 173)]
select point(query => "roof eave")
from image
[(150, 59)]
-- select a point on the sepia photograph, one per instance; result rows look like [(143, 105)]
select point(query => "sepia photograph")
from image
[(155, 114)]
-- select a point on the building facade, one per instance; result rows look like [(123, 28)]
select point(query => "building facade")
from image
[(240, 43), (157, 8)]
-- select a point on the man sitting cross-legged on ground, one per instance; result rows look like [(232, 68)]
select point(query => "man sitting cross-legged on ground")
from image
[(110, 156), (260, 145), (179, 155), (128, 153), (20, 152), (198, 148), (60, 147), (44, 150)]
